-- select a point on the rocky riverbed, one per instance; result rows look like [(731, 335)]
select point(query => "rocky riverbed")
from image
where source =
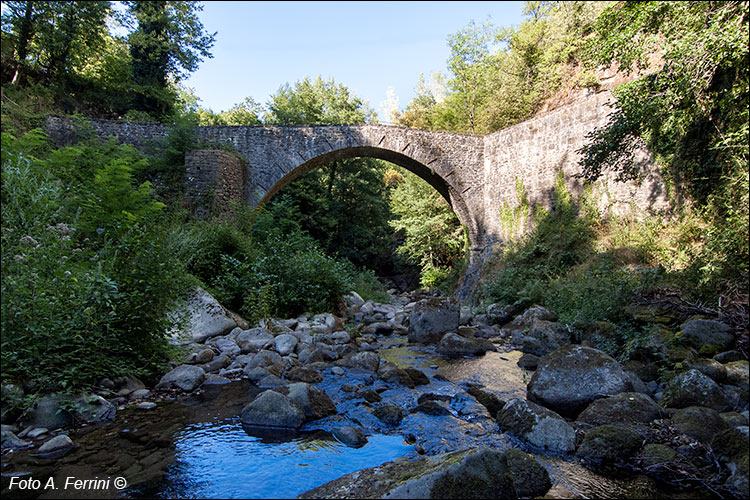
[(419, 391)]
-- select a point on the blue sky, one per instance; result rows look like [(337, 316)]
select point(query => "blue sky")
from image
[(367, 46)]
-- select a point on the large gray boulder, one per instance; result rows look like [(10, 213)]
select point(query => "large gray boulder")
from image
[(476, 473), (199, 317), (693, 388), (431, 318), (699, 422), (707, 336), (184, 377), (544, 337), (569, 379), (285, 344), (368, 361), (272, 409), (536, 425), (627, 408), (609, 444), (453, 344)]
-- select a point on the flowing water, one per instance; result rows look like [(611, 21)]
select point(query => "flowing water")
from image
[(197, 447)]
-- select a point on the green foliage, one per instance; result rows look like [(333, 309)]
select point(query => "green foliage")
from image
[(693, 113), (432, 235), (76, 308)]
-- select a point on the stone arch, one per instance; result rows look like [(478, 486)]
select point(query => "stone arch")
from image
[(446, 190)]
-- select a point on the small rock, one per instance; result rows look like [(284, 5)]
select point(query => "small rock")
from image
[(184, 377), (350, 436), (271, 409), (146, 405), (390, 414), (56, 447), (609, 444)]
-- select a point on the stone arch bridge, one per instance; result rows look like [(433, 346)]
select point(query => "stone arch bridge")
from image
[(476, 174)]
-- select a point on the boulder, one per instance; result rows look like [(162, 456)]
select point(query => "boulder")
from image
[(536, 425), (368, 361), (475, 473), (350, 436), (627, 408), (48, 412), (708, 367), (285, 344), (544, 337), (254, 339), (529, 477), (730, 447), (264, 359), (94, 408), (699, 423), (609, 444), (692, 388), (206, 318), (453, 344), (431, 318), (313, 402), (272, 409), (486, 399), (709, 337), (395, 375), (528, 362), (184, 377), (390, 414), (417, 376), (569, 379)]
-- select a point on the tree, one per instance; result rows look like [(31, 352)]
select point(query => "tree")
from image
[(169, 41), (54, 38), (341, 204)]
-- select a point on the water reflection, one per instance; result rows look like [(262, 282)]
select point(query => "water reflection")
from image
[(225, 460)]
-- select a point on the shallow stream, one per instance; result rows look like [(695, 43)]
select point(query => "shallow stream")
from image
[(196, 446)]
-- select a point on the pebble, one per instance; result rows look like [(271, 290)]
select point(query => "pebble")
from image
[(337, 370), (146, 405)]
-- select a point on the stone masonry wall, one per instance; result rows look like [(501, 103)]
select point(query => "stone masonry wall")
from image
[(213, 178)]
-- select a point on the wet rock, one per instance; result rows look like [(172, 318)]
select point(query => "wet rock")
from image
[(313, 402), (692, 388), (699, 422), (370, 396), (48, 412), (350, 436), (184, 377), (304, 374), (430, 318), (537, 425), (390, 414), (417, 376), (56, 447), (709, 337), (529, 477), (206, 318), (453, 344), (738, 373), (254, 339), (570, 378), (395, 375), (9, 441), (627, 408), (528, 362), (272, 409), (476, 473), (285, 344), (489, 401), (431, 407), (609, 444)]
